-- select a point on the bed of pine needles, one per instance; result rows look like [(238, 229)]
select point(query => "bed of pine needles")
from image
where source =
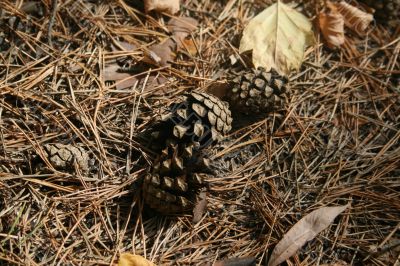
[(336, 142)]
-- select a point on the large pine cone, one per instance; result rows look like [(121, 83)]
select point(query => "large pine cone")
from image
[(174, 183), (256, 91), (199, 118)]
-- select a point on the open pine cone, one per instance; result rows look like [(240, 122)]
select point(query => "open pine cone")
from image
[(256, 91), (174, 183), (194, 122), (198, 118)]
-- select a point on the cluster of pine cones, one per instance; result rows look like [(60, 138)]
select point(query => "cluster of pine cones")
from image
[(196, 121)]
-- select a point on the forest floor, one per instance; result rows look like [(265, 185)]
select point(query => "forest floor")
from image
[(336, 142)]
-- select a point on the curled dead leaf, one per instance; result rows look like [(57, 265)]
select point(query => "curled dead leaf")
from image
[(127, 259), (277, 36), (304, 230), (331, 23), (168, 6), (354, 18)]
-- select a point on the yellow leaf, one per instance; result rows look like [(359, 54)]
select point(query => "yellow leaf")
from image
[(278, 37), (127, 259)]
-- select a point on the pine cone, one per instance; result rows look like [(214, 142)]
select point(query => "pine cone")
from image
[(199, 118), (385, 10), (256, 91), (63, 157), (172, 187)]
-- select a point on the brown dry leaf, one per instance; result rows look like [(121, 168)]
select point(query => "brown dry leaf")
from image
[(111, 72), (200, 207), (181, 28), (121, 45), (161, 54), (126, 83), (304, 230), (277, 36), (354, 18), (189, 46), (125, 80), (331, 24), (153, 81), (127, 259), (156, 82), (168, 6)]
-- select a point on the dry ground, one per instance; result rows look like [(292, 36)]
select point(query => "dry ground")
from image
[(336, 142)]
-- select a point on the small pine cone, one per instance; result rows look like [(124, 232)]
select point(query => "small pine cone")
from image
[(199, 118), (171, 188), (63, 157), (256, 91)]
